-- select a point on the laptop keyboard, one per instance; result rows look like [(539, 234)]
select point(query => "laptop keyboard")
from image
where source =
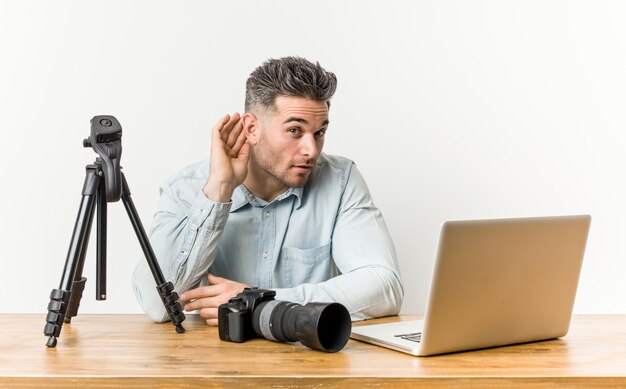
[(413, 336)]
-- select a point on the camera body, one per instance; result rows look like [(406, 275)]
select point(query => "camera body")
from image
[(254, 313), (235, 316)]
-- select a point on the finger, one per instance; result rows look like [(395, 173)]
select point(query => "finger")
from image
[(217, 128), (244, 153), (198, 293), (209, 302), (212, 322), (208, 313), (238, 144), (228, 127), (235, 134), (215, 280)]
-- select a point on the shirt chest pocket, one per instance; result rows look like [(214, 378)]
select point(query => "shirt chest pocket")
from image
[(306, 265)]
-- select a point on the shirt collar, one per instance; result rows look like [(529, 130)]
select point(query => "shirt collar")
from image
[(242, 196)]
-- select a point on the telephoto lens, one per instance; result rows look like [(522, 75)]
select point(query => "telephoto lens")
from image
[(321, 326)]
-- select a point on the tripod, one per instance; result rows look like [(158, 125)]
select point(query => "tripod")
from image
[(104, 182)]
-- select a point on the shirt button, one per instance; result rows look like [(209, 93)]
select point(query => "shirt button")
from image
[(265, 254), (267, 214), (184, 253)]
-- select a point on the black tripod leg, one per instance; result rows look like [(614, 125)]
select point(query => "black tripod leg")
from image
[(101, 245), (165, 289), (78, 286), (60, 298)]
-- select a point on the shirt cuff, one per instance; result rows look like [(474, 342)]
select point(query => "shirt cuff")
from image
[(288, 294), (205, 210)]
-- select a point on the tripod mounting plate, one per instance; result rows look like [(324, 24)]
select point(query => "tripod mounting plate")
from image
[(106, 140)]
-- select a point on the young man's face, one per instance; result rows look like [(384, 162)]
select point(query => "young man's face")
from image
[(287, 142)]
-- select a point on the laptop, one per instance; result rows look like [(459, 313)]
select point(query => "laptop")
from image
[(495, 283)]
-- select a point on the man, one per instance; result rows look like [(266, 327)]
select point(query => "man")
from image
[(269, 209)]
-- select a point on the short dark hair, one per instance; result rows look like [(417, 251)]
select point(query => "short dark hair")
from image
[(288, 76)]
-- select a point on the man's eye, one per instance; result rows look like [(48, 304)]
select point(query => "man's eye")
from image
[(294, 130), (321, 133)]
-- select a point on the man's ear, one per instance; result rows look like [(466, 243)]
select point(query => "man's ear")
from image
[(251, 128)]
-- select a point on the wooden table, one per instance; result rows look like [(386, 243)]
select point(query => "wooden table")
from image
[(129, 350)]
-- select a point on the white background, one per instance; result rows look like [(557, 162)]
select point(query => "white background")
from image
[(451, 109)]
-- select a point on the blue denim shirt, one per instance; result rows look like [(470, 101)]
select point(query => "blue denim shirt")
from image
[(324, 242)]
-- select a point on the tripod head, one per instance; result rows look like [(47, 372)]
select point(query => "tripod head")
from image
[(106, 140)]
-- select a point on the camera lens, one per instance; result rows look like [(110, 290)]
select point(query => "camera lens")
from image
[(321, 326)]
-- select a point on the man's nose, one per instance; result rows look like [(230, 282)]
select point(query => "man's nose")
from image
[(309, 146)]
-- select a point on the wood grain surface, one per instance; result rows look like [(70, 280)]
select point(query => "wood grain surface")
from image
[(129, 350)]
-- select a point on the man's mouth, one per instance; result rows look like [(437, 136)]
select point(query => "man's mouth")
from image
[(303, 168)]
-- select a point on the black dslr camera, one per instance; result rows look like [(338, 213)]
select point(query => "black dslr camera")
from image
[(255, 313)]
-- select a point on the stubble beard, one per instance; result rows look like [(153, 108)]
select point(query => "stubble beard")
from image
[(265, 158)]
